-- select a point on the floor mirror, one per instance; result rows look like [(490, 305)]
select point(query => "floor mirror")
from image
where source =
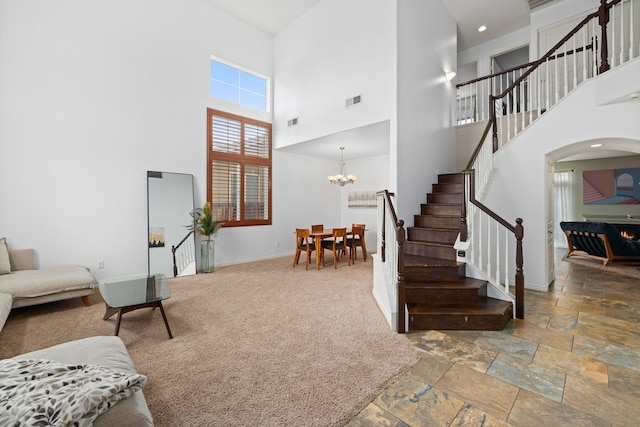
[(169, 206)]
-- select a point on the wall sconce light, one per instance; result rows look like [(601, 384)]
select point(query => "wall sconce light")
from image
[(449, 75)]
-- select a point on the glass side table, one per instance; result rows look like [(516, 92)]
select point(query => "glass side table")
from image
[(126, 294)]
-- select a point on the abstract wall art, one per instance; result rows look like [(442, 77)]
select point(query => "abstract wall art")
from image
[(611, 186)]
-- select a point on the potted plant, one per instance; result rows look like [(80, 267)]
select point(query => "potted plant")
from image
[(205, 224)]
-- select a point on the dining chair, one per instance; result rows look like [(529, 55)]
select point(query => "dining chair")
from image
[(318, 228), (357, 240), (303, 244), (337, 245)]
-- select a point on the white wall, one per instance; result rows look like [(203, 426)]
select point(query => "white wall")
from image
[(518, 185), (96, 93), (483, 53), (337, 50), (373, 175), (555, 13), (426, 48), (578, 209)]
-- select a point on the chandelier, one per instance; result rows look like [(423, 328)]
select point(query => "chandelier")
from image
[(342, 178)]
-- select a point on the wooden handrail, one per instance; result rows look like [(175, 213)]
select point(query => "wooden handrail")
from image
[(173, 253), (603, 14), (517, 230), (400, 239), (487, 128)]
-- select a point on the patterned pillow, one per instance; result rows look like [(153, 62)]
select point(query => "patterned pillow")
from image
[(5, 264)]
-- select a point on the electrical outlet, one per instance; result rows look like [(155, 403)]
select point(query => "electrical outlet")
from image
[(100, 264), (277, 244)]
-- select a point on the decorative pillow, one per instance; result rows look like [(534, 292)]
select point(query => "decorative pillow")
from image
[(5, 264)]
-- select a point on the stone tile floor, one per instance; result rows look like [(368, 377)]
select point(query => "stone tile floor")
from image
[(574, 360)]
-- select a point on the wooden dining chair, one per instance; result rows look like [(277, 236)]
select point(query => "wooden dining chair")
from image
[(303, 243), (318, 228), (337, 245), (357, 240)]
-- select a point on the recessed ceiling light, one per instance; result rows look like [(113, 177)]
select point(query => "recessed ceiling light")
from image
[(595, 145), (482, 28)]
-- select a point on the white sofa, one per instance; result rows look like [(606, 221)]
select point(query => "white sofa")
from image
[(25, 285), (108, 352)]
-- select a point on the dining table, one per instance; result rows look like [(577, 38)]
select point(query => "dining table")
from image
[(318, 235)]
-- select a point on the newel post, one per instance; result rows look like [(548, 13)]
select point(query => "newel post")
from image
[(603, 20), (463, 208), (519, 232), (494, 122), (402, 298), (383, 243)]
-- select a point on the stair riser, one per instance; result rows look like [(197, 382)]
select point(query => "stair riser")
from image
[(447, 188), (429, 235), (430, 221), (457, 178), (430, 251), (444, 198), (437, 297), (433, 274), (459, 322), (431, 209)]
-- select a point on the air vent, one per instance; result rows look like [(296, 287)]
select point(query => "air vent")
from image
[(292, 122), (537, 3), (350, 102)]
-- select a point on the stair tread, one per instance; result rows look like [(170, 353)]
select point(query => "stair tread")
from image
[(430, 243), (463, 282), (483, 306), (445, 230), (422, 261)]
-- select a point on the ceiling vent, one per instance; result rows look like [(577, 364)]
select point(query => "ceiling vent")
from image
[(292, 122), (350, 102), (537, 3)]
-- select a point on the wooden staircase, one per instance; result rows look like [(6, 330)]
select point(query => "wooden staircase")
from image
[(438, 294)]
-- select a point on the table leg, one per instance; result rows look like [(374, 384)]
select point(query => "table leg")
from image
[(118, 323), (111, 311), (318, 243), (165, 319)]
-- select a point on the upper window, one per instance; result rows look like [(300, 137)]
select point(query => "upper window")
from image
[(234, 84), (239, 169)]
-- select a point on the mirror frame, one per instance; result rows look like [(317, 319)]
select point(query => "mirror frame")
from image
[(168, 213)]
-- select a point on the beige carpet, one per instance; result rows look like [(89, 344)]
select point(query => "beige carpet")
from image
[(258, 344)]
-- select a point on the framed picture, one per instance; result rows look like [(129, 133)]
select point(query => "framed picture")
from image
[(611, 186), (156, 237), (362, 199)]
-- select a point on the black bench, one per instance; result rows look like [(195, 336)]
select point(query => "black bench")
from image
[(599, 240)]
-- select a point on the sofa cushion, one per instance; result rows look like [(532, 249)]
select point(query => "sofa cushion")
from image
[(111, 353), (5, 263), (6, 300), (46, 281)]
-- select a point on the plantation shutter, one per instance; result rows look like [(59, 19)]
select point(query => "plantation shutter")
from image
[(239, 171)]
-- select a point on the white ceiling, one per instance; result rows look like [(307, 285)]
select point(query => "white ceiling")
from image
[(270, 16), (373, 140), (499, 16)]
